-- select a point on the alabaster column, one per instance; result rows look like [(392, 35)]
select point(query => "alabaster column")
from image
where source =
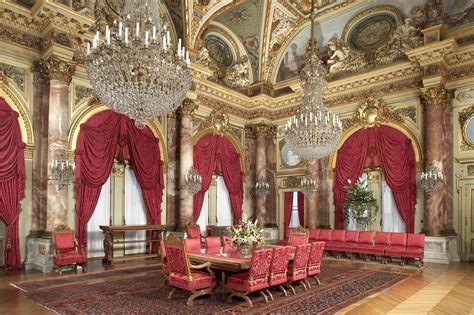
[(40, 151), (60, 75), (312, 171), (323, 194), (261, 171), (186, 161), (172, 183), (435, 100)]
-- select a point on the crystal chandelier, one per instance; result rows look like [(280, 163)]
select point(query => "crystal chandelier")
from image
[(314, 132), (134, 68), (308, 186), (193, 181), (262, 188), (62, 172), (432, 180)]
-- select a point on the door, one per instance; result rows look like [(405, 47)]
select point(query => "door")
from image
[(467, 224)]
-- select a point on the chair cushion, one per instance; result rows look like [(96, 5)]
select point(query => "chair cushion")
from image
[(298, 274), (370, 250), (416, 240), (382, 238), (193, 245), (366, 237), (325, 235), (314, 270), (277, 279), (69, 258), (213, 244), (413, 253), (200, 280), (352, 236), (338, 236), (241, 282), (394, 251), (64, 241), (398, 239), (314, 234)]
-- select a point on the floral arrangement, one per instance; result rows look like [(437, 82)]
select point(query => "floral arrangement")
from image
[(360, 203), (247, 233)]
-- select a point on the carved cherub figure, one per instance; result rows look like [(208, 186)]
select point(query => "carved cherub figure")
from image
[(406, 36), (337, 55)]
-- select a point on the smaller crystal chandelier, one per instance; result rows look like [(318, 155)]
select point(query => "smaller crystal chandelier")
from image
[(308, 186), (193, 181), (314, 132), (262, 188), (62, 172), (432, 180)]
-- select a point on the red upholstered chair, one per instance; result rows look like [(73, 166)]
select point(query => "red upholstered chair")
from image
[(297, 271), (66, 251), (193, 245), (194, 231), (279, 268), (226, 247), (213, 245), (398, 244), (314, 262), (209, 229), (298, 236), (242, 284), (183, 274), (415, 248), (164, 260)]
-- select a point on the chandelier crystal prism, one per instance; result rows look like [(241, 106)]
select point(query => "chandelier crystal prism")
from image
[(134, 68), (314, 132)]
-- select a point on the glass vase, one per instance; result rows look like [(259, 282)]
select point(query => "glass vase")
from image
[(245, 250)]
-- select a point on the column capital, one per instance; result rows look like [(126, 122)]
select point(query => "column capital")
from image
[(188, 107), (261, 129), (435, 96), (53, 68)]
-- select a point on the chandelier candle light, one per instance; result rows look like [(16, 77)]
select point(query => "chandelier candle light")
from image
[(193, 181), (133, 67), (308, 186), (62, 172), (432, 180), (262, 188), (314, 132)]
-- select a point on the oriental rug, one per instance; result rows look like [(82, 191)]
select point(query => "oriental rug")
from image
[(142, 290)]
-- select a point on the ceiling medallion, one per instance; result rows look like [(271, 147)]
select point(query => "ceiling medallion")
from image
[(314, 132), (134, 69)]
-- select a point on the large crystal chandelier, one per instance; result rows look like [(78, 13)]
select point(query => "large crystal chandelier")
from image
[(314, 132), (134, 68)]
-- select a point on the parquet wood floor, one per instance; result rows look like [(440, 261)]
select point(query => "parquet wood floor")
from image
[(437, 289)]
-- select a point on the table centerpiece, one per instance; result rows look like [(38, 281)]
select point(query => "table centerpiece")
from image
[(360, 205), (246, 236)]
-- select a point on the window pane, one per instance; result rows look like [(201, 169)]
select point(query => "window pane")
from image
[(295, 220), (203, 220), (135, 213), (224, 210), (101, 216)]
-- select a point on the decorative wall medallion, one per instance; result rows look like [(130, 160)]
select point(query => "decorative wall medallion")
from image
[(81, 93), (288, 158), (219, 51), (16, 74), (466, 121), (408, 112), (372, 32)]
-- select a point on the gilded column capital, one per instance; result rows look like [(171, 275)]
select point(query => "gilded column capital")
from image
[(435, 96), (54, 68), (188, 107), (261, 129)]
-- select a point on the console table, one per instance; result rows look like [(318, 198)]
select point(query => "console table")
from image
[(153, 237)]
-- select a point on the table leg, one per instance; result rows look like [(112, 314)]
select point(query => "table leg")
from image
[(108, 247)]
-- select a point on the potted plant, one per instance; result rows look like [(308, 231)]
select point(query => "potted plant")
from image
[(360, 205), (246, 236)]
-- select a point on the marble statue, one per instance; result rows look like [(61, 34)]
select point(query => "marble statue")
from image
[(406, 36)]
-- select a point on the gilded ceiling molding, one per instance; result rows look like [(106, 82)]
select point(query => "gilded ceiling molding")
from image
[(218, 124)]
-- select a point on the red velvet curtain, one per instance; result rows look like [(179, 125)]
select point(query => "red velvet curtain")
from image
[(390, 148), (287, 207), (102, 138), (301, 208), (12, 182), (213, 152)]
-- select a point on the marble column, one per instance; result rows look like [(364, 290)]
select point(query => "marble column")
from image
[(261, 171), (186, 161), (435, 101), (312, 171), (40, 151), (323, 193), (172, 184), (60, 75)]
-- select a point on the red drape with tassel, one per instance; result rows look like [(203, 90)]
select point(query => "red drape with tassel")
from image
[(102, 138), (287, 208), (12, 182), (301, 208), (214, 152), (394, 152)]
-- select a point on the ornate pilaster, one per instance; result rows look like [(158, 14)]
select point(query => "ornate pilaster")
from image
[(435, 100), (186, 161), (312, 171), (60, 74), (323, 186)]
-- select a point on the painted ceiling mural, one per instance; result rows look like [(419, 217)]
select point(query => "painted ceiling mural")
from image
[(244, 21)]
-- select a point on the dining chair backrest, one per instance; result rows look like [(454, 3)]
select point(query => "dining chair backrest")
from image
[(315, 256), (163, 249), (193, 245), (280, 258), (301, 256), (194, 231), (177, 257), (213, 244), (260, 264)]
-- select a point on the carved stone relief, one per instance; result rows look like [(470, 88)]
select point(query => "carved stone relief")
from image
[(16, 74)]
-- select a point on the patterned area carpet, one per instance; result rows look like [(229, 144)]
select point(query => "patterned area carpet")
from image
[(141, 290)]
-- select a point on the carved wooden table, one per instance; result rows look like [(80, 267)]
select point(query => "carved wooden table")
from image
[(153, 236)]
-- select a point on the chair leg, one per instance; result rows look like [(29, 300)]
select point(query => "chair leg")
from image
[(270, 294), (84, 267), (317, 280), (243, 295), (198, 293), (173, 290), (264, 296), (292, 289), (307, 283), (282, 288), (420, 263), (304, 285)]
